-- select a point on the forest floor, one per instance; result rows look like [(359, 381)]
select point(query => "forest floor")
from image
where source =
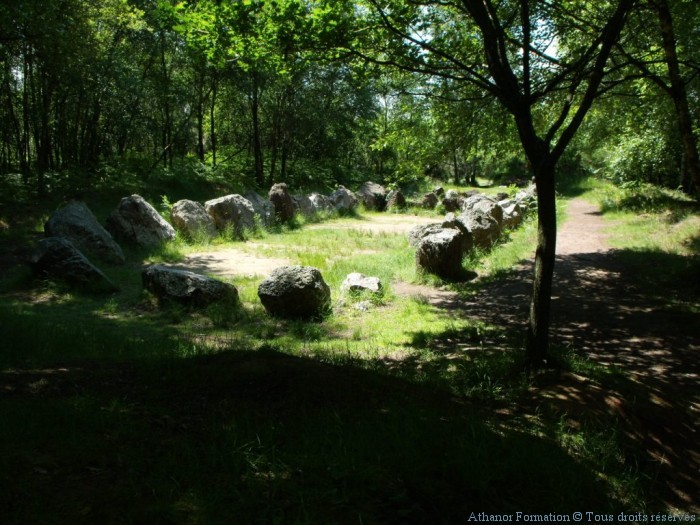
[(600, 313)]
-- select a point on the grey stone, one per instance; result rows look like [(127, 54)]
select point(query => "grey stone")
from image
[(440, 191), (452, 203), (303, 205), (395, 200), (451, 221), (373, 196), (527, 196), (188, 288), (262, 207), (429, 201), (416, 233), (57, 258), (138, 223), (321, 203), (192, 219), (343, 199), (485, 204), (77, 223), (232, 210), (357, 283), (282, 201), (295, 292), (441, 253), (513, 213), (484, 228)]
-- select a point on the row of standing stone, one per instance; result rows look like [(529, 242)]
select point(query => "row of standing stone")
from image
[(474, 221)]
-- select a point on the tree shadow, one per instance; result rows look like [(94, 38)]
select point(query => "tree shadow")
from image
[(633, 333), (265, 437)]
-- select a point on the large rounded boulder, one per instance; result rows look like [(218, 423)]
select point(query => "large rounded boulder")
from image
[(343, 200), (441, 253), (77, 223), (321, 203), (138, 223), (232, 211), (295, 292), (373, 196), (57, 258), (484, 228), (192, 219), (187, 288)]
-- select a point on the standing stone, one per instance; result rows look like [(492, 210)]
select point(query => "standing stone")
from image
[(77, 223), (484, 228), (441, 253), (513, 213), (452, 201), (295, 292), (56, 257), (451, 221), (231, 210), (136, 222), (395, 200), (188, 288), (263, 208), (321, 203), (357, 283), (485, 204), (429, 201), (192, 219), (416, 234), (373, 196), (303, 205), (343, 199), (440, 191), (282, 201)]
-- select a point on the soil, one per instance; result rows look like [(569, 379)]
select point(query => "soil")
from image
[(232, 262)]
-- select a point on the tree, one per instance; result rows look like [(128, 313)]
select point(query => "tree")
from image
[(545, 62), (663, 65)]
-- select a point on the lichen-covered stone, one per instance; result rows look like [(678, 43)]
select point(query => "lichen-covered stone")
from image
[(188, 288), (138, 223), (77, 223), (57, 258), (295, 292), (192, 219)]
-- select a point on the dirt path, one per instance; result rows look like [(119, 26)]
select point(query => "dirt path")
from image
[(599, 312)]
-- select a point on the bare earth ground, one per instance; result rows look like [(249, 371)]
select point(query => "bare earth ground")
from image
[(598, 312), (233, 262)]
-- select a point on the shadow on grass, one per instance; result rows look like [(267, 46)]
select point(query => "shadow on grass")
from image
[(625, 323), (264, 437)]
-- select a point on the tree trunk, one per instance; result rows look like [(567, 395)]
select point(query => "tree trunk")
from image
[(212, 117), (680, 97), (537, 341), (257, 143)]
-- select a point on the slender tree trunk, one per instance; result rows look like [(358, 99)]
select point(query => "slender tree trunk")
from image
[(212, 117), (537, 340), (680, 97), (257, 142), (199, 79)]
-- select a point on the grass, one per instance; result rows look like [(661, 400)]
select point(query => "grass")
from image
[(654, 228), (117, 411)]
